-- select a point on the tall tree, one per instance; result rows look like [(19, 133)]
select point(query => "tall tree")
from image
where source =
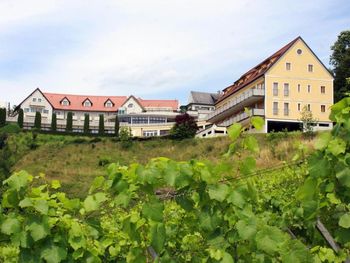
[(116, 126), (340, 60), (101, 126), (37, 120), (20, 118), (54, 122), (69, 126), (2, 117), (86, 123)]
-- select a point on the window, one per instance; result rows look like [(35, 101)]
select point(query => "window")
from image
[(308, 88), (309, 107), (34, 99), (32, 110), (286, 89), (323, 89), (286, 109), (323, 124), (39, 100), (323, 108), (26, 109), (121, 111), (65, 102), (310, 68), (108, 104), (299, 106), (130, 105), (275, 89), (87, 103), (288, 66), (150, 133), (275, 108), (298, 87), (299, 51), (46, 111)]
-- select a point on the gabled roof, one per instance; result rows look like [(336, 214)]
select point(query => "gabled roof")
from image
[(203, 98), (256, 72), (77, 101), (37, 89)]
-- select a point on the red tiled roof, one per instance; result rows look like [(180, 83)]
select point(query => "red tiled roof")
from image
[(174, 104), (256, 72), (76, 102), (98, 102)]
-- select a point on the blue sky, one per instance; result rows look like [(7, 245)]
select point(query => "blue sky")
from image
[(155, 48)]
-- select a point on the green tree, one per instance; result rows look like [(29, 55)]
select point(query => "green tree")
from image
[(116, 126), (307, 122), (87, 124), (340, 60), (185, 127), (2, 117), (20, 118), (69, 126), (37, 120), (101, 125), (54, 122), (125, 137)]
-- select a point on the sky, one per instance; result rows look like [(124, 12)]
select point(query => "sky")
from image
[(154, 49)]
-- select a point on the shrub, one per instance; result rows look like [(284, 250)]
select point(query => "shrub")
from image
[(307, 122), (54, 122), (116, 126), (2, 117), (185, 127), (101, 125), (37, 120), (69, 126), (125, 137), (20, 118), (87, 124), (10, 128)]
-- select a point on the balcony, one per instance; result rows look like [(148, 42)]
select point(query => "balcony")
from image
[(248, 97), (242, 116)]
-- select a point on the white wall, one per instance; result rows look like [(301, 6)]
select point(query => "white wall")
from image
[(30, 106)]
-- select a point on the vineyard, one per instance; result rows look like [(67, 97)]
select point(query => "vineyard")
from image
[(191, 211)]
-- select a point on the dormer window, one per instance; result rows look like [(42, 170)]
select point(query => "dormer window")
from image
[(65, 102), (87, 103), (108, 104)]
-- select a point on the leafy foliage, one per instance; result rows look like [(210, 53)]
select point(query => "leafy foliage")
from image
[(69, 126), (37, 121), (20, 118), (340, 60), (185, 127), (170, 211), (101, 125), (2, 117), (54, 122), (86, 124)]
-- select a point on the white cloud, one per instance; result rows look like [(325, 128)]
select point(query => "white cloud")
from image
[(146, 47)]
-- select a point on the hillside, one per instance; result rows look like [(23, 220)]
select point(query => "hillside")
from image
[(76, 161)]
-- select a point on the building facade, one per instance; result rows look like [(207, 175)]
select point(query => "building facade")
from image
[(144, 117), (278, 89)]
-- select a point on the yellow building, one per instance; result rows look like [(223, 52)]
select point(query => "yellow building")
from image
[(277, 89)]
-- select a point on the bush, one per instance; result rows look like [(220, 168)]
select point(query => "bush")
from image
[(37, 121), (20, 118), (86, 124), (69, 126), (54, 122), (125, 137), (2, 117), (185, 127), (10, 128), (101, 125), (103, 161), (116, 126)]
